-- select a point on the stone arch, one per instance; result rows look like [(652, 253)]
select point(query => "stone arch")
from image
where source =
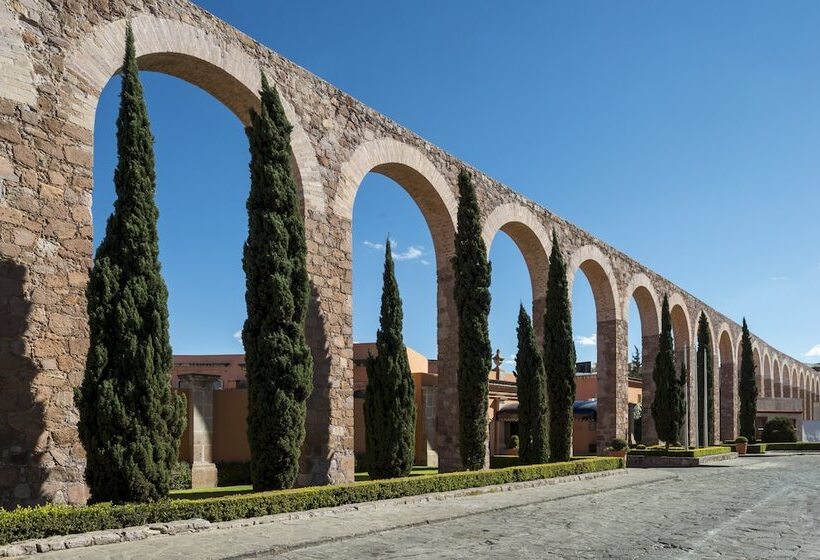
[(531, 237), (801, 384), (728, 383), (681, 328), (787, 380), (642, 289), (416, 174), (612, 383), (766, 375), (191, 54), (777, 378), (225, 71), (758, 366)]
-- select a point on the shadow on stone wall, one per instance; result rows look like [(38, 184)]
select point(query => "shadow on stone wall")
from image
[(317, 459), (21, 414)]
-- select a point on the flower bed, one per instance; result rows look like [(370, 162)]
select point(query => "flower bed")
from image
[(50, 520)]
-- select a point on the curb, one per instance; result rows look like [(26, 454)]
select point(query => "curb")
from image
[(156, 530)]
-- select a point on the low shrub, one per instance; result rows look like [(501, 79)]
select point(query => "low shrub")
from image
[(741, 439), (233, 473), (619, 444), (681, 452), (45, 521), (779, 430), (181, 476)]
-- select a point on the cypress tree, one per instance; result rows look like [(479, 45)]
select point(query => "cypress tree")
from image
[(533, 413), (747, 386), (559, 356), (130, 420), (472, 297), (669, 406), (389, 402), (705, 353), (278, 362)]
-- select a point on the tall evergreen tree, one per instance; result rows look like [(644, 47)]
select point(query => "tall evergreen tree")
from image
[(705, 354), (747, 386), (389, 403), (634, 368), (533, 413), (278, 361), (130, 421), (559, 356), (669, 391), (472, 297)]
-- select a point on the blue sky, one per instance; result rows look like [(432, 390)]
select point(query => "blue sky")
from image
[(684, 134)]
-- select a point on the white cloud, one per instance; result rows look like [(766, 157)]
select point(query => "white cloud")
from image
[(413, 252), (779, 278), (814, 352), (238, 336), (591, 340)]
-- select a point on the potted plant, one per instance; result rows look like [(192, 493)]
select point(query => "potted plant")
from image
[(740, 445), (618, 448)]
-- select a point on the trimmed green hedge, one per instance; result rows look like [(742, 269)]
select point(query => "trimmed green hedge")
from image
[(797, 446), (680, 452), (49, 520)]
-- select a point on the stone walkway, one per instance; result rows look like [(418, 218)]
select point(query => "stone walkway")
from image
[(765, 507)]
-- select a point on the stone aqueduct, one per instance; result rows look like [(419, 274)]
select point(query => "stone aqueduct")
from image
[(56, 57)]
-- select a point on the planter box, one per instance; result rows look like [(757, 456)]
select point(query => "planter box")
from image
[(661, 462)]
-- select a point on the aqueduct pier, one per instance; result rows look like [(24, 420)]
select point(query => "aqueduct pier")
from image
[(56, 57)]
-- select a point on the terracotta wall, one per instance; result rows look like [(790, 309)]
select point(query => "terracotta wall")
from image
[(230, 426)]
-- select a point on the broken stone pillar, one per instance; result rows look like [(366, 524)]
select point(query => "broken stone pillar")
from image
[(200, 388)]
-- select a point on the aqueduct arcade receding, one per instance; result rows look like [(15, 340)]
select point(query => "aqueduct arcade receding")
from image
[(56, 62)]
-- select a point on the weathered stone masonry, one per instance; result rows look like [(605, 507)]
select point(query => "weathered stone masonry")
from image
[(55, 58)]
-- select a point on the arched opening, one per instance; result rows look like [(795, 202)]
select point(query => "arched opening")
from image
[(643, 325), (707, 385), (777, 380), (517, 246), (382, 207), (202, 185), (789, 382), (728, 387), (225, 72), (767, 376), (597, 338), (424, 275), (682, 339)]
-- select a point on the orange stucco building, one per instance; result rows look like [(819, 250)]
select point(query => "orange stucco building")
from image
[(225, 375)]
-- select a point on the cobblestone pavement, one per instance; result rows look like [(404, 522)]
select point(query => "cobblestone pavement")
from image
[(765, 507)]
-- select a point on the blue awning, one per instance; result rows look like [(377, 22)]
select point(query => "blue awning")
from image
[(586, 408)]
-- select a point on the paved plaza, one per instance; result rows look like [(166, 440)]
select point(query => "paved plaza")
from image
[(763, 507)]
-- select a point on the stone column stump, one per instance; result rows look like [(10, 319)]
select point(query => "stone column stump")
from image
[(201, 391)]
